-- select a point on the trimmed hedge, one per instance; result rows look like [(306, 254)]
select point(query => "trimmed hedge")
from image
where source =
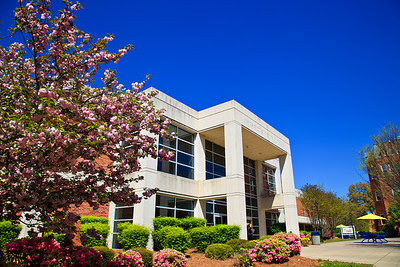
[(172, 237), (147, 256), (94, 231), (202, 237), (236, 244), (8, 233), (107, 253), (60, 238), (191, 222), (219, 251), (133, 235), (160, 222), (226, 233), (93, 219)]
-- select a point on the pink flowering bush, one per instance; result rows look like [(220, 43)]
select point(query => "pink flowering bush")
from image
[(305, 239), (328, 235), (292, 240), (268, 251), (169, 257), (128, 258), (48, 252)]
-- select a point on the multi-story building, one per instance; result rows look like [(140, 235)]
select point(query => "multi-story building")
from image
[(229, 167)]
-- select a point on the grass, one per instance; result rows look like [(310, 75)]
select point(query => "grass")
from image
[(343, 264)]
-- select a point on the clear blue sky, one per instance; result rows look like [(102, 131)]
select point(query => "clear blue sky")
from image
[(324, 73)]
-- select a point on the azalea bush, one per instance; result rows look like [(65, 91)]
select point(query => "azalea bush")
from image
[(127, 258), (292, 240), (169, 257), (48, 252), (266, 251)]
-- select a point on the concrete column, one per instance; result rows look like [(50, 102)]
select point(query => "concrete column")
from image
[(235, 191), (289, 194), (199, 158), (200, 209)]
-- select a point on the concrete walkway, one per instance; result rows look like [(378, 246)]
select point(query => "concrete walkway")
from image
[(380, 255)]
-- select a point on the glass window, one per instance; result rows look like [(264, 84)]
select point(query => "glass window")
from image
[(216, 212), (121, 214), (174, 207), (215, 161), (269, 186), (250, 183), (182, 164)]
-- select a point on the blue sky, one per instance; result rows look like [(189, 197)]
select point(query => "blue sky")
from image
[(323, 73)]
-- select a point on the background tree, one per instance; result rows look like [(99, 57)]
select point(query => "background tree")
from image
[(330, 206), (54, 127), (382, 160)]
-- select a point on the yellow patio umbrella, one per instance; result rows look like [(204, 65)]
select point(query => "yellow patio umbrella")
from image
[(371, 217), (341, 226)]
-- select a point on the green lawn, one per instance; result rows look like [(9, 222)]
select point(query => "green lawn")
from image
[(343, 264)]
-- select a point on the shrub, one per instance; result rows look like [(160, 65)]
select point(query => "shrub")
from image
[(236, 244), (202, 237), (60, 238), (147, 256), (46, 251), (107, 253), (219, 251), (226, 233), (8, 233), (305, 239), (277, 228), (169, 257), (93, 219), (265, 237), (174, 237), (127, 258), (94, 234), (292, 241), (133, 235), (160, 222), (268, 251), (191, 222), (327, 235)]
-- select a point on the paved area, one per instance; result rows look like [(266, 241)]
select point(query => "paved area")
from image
[(380, 255)]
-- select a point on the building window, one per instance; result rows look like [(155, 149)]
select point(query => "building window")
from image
[(215, 161), (250, 183), (383, 222), (182, 164), (174, 207), (271, 218), (216, 212), (269, 186), (378, 196), (122, 214)]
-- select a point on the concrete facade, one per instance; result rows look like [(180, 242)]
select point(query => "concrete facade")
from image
[(246, 139)]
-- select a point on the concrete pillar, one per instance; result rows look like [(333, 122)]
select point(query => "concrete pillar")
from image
[(235, 191), (289, 194), (199, 158), (200, 209), (260, 199)]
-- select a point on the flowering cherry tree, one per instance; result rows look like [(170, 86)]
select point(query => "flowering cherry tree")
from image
[(54, 128)]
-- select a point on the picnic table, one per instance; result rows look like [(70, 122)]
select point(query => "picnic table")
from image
[(375, 237)]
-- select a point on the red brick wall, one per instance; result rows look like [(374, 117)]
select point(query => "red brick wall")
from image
[(300, 210)]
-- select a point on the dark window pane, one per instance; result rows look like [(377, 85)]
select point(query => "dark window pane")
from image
[(164, 212), (185, 159), (219, 160), (220, 171), (165, 201), (172, 128), (210, 218), (184, 214), (115, 243), (124, 213), (208, 145), (183, 146), (168, 142), (185, 171), (220, 209), (182, 134), (255, 221), (254, 202), (208, 156), (209, 206), (224, 219), (209, 167), (209, 176), (219, 150), (184, 204), (166, 166)]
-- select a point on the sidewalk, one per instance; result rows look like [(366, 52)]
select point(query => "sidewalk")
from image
[(380, 255)]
